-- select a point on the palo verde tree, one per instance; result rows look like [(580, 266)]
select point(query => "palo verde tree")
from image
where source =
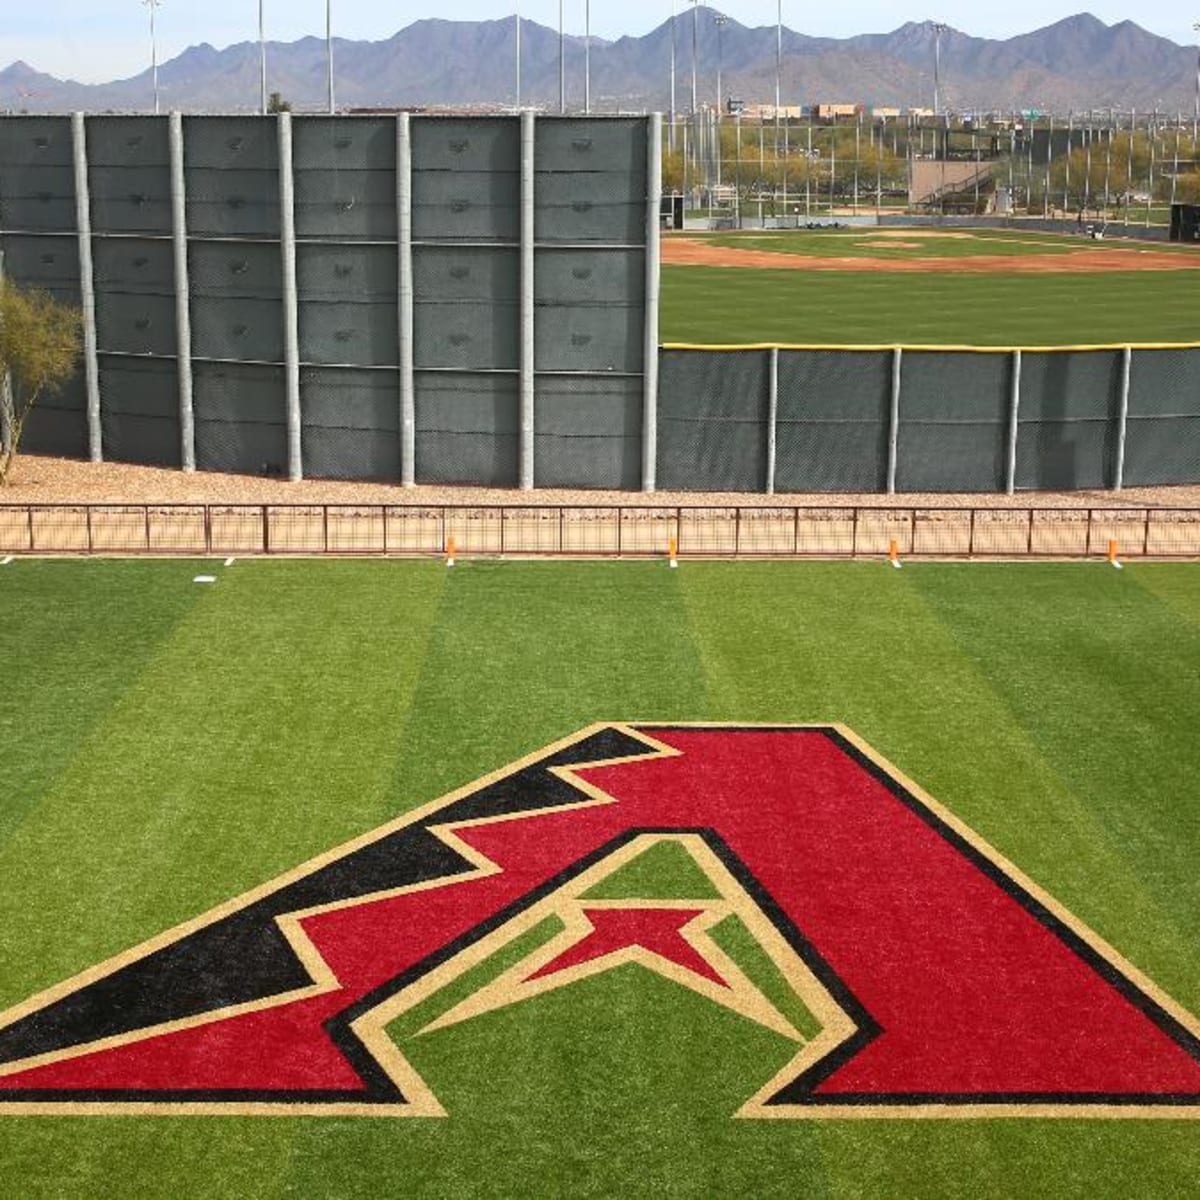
[(39, 343)]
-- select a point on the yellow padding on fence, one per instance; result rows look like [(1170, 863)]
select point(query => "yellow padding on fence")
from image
[(917, 349)]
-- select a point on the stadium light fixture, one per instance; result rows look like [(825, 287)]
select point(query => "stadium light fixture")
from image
[(153, 6)]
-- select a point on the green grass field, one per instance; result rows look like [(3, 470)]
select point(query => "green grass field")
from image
[(168, 746), (721, 305)]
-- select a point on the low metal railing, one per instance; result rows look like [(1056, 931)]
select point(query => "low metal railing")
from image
[(526, 530)]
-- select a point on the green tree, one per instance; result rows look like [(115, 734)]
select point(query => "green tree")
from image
[(277, 104), (39, 344)]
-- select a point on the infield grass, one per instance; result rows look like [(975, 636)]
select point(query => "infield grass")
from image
[(723, 305), (168, 746)]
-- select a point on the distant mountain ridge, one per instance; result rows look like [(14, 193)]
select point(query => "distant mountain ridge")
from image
[(1079, 62)]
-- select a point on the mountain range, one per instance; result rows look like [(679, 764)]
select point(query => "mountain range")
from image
[(1076, 63)]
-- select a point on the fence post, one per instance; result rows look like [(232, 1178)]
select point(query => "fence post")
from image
[(183, 312), (1010, 478), (408, 419), (1123, 417), (894, 421), (87, 287), (653, 271), (6, 392), (291, 327), (772, 418), (527, 309)]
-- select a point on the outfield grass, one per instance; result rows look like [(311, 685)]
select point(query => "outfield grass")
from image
[(734, 305), (168, 746)]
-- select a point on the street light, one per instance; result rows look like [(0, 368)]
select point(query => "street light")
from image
[(153, 5), (938, 29)]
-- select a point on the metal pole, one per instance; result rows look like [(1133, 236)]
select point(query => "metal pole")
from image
[(87, 290), (671, 131), (329, 51), (6, 392), (527, 311), (1010, 480), (408, 406), (152, 5), (518, 25), (587, 57), (183, 314), (650, 351), (562, 62), (894, 421), (1123, 417), (291, 328), (695, 37), (772, 418), (1196, 109), (262, 57)]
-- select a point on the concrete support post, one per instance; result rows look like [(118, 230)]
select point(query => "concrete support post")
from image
[(527, 311), (772, 417), (6, 394), (87, 288), (183, 315), (1123, 418), (291, 318), (408, 404), (1014, 412), (653, 271), (894, 421)]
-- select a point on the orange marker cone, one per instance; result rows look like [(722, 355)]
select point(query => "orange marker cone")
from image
[(450, 548), (1112, 553), (673, 552), (894, 554)]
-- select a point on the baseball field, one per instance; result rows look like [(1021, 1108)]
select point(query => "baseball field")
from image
[(589, 974), (928, 287)]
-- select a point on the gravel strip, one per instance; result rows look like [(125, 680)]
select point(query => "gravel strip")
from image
[(38, 479)]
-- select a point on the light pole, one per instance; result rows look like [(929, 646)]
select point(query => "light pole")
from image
[(262, 58), (153, 6), (778, 66), (671, 131), (562, 62), (938, 29), (720, 20), (695, 39), (517, 19), (1196, 109), (587, 57), (329, 51)]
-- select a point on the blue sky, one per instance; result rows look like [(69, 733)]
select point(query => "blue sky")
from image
[(95, 40)]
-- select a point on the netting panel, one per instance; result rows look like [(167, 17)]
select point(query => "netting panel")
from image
[(467, 428), (567, 275), (348, 305), (58, 422), (712, 420), (1162, 441), (139, 409), (953, 422), (241, 421), (37, 181), (232, 176), (237, 307), (466, 206), (587, 432), (351, 422), (129, 174), (345, 177), (135, 295), (46, 261), (589, 337), (1067, 420), (832, 421)]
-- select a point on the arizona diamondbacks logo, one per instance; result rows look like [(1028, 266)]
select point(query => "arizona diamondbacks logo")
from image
[(910, 969)]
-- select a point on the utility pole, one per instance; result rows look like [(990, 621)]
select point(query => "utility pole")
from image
[(153, 6)]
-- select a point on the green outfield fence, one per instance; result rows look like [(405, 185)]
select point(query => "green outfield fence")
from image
[(775, 531)]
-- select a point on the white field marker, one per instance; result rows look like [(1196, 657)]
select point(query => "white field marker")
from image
[(230, 561), (205, 579), (6, 561)]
